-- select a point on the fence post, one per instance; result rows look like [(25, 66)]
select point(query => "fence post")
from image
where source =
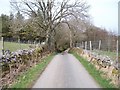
[(78, 44), (117, 50), (99, 44), (90, 46), (35, 43), (19, 42), (85, 45), (28, 41), (82, 45), (2, 40)]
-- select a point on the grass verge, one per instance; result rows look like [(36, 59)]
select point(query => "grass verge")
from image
[(27, 79), (96, 74)]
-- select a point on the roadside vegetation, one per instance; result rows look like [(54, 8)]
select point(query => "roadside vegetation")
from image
[(96, 74), (27, 79), (57, 24)]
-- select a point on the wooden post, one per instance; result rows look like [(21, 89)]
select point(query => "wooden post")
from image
[(2, 40), (28, 41), (99, 44), (82, 45), (117, 50), (19, 42), (0, 46), (78, 44), (35, 43), (90, 46), (85, 45)]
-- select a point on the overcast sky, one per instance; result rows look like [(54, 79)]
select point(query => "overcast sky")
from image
[(104, 13)]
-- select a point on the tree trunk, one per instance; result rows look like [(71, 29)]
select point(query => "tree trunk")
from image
[(47, 41), (70, 39)]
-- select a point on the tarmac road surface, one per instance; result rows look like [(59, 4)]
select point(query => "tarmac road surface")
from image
[(65, 71)]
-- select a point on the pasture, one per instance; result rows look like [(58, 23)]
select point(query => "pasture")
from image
[(112, 55), (12, 46)]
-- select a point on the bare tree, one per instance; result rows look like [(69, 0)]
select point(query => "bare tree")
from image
[(48, 14)]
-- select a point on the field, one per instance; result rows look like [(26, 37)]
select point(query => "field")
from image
[(112, 55), (12, 46)]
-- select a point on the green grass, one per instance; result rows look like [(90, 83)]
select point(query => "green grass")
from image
[(112, 55), (12, 46), (28, 78), (96, 74)]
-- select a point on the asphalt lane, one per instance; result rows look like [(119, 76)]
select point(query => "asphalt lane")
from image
[(65, 71)]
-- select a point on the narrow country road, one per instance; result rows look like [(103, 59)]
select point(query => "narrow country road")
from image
[(65, 71)]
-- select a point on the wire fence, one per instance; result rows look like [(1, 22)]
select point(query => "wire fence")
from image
[(101, 47), (110, 47), (16, 44)]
